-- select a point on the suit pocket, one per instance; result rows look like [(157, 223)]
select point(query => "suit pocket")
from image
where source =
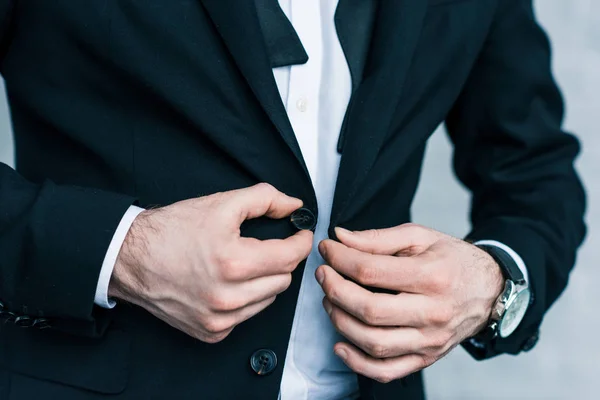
[(97, 365)]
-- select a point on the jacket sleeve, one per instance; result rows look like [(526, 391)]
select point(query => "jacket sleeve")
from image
[(511, 153), (53, 240)]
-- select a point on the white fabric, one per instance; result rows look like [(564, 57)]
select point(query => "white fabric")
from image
[(315, 95), (110, 258), (518, 260)]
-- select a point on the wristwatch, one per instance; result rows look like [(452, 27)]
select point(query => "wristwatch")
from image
[(511, 306)]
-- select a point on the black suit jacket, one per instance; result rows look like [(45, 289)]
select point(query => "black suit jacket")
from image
[(150, 102)]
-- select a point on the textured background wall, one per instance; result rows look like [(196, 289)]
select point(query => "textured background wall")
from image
[(565, 363)]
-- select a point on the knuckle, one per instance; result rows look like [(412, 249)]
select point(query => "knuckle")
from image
[(286, 281), (336, 320), (425, 361), (371, 234), (385, 377), (371, 313), (377, 350), (216, 338), (266, 188), (291, 264), (441, 316), (232, 269), (216, 326), (366, 275), (221, 302), (438, 342), (438, 282), (412, 226), (333, 293)]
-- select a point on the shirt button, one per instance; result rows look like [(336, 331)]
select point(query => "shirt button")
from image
[(263, 361), (304, 219), (302, 104)]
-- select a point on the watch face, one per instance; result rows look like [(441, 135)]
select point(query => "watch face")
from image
[(515, 311)]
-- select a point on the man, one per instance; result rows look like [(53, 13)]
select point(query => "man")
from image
[(211, 197)]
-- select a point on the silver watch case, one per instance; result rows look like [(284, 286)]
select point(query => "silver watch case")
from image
[(510, 308)]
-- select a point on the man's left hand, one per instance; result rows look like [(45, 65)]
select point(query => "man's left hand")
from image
[(443, 293)]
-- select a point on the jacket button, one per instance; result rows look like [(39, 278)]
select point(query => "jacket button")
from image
[(531, 342), (24, 321), (263, 361), (304, 219)]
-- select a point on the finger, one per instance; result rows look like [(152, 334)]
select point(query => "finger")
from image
[(252, 310), (251, 292), (378, 342), (382, 271), (382, 370), (230, 320), (273, 256), (407, 239), (257, 201), (375, 309)]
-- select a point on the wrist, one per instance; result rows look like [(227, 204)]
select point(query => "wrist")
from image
[(496, 285), (127, 280)]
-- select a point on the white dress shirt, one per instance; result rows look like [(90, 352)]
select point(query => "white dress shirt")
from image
[(315, 95)]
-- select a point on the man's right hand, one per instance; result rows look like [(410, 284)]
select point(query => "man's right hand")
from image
[(188, 265)]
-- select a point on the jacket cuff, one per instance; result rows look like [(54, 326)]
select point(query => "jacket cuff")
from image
[(530, 247), (70, 229)]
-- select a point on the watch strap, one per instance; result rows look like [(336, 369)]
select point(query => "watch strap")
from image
[(507, 264)]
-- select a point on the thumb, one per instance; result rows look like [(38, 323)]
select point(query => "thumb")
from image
[(262, 200), (406, 239)]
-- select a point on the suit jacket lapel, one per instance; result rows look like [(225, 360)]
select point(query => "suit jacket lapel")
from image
[(237, 23), (397, 29), (354, 37)]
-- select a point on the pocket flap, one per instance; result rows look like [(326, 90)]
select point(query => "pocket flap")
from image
[(100, 365)]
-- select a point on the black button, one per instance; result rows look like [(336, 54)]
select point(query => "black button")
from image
[(41, 323), (263, 361), (304, 219), (531, 342), (24, 321)]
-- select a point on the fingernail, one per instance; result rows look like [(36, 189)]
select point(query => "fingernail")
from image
[(327, 306), (341, 353), (339, 229), (320, 275)]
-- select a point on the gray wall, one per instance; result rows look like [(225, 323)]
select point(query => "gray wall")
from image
[(565, 362)]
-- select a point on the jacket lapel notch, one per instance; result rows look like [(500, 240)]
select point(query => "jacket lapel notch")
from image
[(238, 25)]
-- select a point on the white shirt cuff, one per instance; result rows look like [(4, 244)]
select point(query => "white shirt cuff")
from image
[(517, 259), (108, 265)]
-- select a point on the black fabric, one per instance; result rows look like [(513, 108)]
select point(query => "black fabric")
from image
[(283, 44), (153, 102), (354, 25)]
